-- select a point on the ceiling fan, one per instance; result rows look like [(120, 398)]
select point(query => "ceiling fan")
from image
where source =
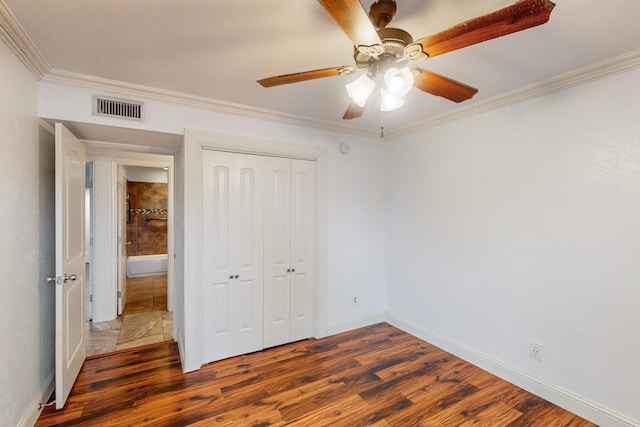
[(384, 53)]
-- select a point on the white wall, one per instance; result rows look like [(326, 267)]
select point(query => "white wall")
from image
[(144, 174), (355, 215), (523, 224), (356, 242), (26, 248)]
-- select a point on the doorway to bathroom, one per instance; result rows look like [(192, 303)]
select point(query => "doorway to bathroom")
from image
[(134, 308)]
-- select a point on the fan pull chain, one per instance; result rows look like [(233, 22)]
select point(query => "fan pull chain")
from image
[(381, 124)]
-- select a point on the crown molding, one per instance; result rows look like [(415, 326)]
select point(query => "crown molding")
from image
[(564, 81), (124, 89), (561, 82), (14, 36)]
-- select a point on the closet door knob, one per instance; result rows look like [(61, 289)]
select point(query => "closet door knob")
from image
[(293, 270), (231, 277), (288, 270), (236, 276)]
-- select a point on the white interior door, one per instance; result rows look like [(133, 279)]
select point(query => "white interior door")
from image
[(122, 239), (248, 251), (232, 255), (218, 273), (303, 184), (70, 260), (277, 237), (289, 250)]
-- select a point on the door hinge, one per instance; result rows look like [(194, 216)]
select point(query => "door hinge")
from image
[(119, 185), (91, 298), (119, 294), (119, 239)]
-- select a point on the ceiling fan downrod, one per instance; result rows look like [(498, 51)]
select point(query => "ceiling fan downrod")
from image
[(382, 12)]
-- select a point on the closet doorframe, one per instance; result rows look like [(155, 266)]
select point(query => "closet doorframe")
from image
[(190, 333)]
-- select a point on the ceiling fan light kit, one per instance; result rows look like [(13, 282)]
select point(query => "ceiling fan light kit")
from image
[(389, 101), (386, 54), (360, 89), (399, 81)]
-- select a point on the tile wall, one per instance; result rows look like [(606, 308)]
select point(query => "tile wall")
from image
[(147, 204)]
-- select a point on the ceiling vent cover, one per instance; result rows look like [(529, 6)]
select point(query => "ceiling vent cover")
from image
[(120, 108)]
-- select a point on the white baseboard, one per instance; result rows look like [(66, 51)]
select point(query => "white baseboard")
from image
[(355, 323), (579, 405), (181, 352), (33, 411)]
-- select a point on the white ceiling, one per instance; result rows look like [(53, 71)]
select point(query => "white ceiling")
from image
[(218, 49)]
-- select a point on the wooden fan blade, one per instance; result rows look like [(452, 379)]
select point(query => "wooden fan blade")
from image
[(353, 111), (519, 16), (438, 85), (300, 77), (354, 21)]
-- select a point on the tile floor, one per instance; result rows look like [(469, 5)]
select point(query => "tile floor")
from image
[(145, 319)]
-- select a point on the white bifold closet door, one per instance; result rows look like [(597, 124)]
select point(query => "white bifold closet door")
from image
[(289, 218), (232, 254)]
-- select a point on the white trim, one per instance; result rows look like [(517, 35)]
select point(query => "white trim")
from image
[(145, 160), (567, 80), (564, 81), (34, 409), (104, 252), (14, 36), (12, 33), (250, 145), (194, 142), (564, 398), (45, 125), (191, 310), (66, 78), (180, 342), (355, 323), (130, 148)]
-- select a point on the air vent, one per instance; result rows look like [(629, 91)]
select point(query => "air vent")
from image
[(120, 108)]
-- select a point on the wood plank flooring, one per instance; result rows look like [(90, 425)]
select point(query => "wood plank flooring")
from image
[(373, 376)]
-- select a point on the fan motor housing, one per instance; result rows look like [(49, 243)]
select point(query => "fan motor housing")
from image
[(394, 40)]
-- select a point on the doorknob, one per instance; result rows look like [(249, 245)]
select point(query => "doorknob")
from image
[(63, 279)]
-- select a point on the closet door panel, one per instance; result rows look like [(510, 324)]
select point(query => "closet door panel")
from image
[(258, 252), (218, 255), (249, 242), (277, 266), (217, 319), (302, 248)]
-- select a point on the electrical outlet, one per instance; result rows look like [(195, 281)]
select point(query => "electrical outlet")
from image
[(535, 350), (355, 300)]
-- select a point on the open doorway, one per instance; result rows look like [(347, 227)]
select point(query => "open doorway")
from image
[(141, 229), (144, 195)]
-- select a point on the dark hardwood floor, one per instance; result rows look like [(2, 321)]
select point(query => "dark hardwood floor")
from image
[(376, 375)]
